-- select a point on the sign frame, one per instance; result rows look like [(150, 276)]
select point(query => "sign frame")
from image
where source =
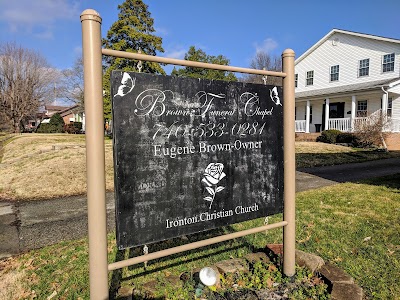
[(95, 157), (182, 143)]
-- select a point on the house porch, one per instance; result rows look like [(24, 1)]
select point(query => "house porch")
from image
[(345, 112)]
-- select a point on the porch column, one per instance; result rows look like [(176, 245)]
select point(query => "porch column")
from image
[(83, 122), (353, 111), (384, 104), (326, 113), (308, 117)]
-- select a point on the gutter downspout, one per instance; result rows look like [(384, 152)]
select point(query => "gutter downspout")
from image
[(384, 105)]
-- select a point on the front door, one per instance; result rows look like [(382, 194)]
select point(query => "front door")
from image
[(336, 111)]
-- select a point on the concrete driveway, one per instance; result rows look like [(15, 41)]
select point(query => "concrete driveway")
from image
[(29, 225)]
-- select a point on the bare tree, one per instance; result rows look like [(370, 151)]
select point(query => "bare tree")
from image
[(73, 84), (263, 60), (371, 130), (25, 80)]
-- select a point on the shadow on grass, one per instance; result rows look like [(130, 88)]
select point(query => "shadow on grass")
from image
[(116, 276), (175, 259), (310, 160), (391, 181)]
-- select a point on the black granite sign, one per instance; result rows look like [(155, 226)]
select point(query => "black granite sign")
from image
[(191, 155)]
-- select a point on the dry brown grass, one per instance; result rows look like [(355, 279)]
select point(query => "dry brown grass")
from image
[(13, 280), (42, 166), (314, 147)]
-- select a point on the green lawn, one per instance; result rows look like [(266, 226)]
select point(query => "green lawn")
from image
[(353, 225)]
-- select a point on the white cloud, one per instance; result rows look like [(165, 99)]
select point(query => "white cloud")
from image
[(45, 34), (37, 17), (175, 52), (268, 45), (161, 31), (78, 51)]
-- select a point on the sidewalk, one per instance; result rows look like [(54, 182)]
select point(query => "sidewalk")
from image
[(30, 225)]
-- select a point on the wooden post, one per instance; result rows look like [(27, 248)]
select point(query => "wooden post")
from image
[(95, 157), (289, 231)]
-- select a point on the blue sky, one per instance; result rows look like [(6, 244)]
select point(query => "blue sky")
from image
[(233, 28)]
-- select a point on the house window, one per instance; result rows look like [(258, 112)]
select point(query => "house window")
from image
[(363, 69), (310, 78), (362, 107), (388, 63), (295, 113), (335, 73), (296, 78)]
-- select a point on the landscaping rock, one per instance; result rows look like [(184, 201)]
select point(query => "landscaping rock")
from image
[(232, 266), (175, 281), (335, 274), (311, 261), (346, 291), (277, 249), (125, 292), (257, 257), (150, 287), (342, 284)]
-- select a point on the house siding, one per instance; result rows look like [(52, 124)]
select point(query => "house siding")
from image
[(396, 107), (347, 53)]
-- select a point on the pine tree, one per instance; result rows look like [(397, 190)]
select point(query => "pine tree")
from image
[(199, 55), (133, 31)]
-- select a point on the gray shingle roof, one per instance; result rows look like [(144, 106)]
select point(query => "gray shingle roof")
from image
[(346, 88)]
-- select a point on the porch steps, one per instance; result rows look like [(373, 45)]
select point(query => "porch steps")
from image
[(393, 142), (307, 137)]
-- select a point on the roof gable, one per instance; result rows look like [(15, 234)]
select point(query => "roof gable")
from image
[(69, 110), (333, 31)]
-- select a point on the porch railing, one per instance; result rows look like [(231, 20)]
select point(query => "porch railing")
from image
[(360, 122), (345, 124), (342, 124), (300, 126)]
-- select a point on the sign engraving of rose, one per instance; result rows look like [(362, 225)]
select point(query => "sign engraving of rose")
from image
[(211, 177)]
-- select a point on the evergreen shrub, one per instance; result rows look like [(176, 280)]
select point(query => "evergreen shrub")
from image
[(329, 136), (348, 138), (56, 125), (74, 127)]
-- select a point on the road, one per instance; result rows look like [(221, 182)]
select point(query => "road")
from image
[(28, 225)]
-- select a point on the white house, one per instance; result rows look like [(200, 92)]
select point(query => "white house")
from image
[(345, 78)]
